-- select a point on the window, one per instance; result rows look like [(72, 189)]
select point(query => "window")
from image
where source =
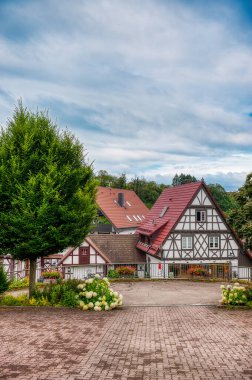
[(214, 242), (139, 217), (128, 203), (84, 255), (163, 211), (187, 242), (129, 218), (201, 216)]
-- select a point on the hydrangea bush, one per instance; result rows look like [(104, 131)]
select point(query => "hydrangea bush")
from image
[(96, 294), (234, 295)]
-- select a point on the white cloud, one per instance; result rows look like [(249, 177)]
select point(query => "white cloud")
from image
[(144, 85)]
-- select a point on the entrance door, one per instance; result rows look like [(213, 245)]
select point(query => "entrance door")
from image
[(84, 255)]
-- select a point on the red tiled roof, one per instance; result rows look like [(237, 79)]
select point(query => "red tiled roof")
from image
[(176, 199), (107, 201)]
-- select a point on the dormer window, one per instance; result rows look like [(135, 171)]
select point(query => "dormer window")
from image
[(163, 211), (201, 216)]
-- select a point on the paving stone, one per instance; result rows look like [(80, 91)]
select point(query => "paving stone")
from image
[(140, 343)]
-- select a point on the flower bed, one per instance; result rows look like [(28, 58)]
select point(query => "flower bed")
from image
[(197, 271), (236, 295), (96, 294), (51, 274), (92, 294), (123, 271)]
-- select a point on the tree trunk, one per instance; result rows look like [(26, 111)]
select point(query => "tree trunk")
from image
[(32, 276)]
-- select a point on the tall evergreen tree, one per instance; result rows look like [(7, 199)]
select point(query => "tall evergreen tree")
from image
[(47, 189)]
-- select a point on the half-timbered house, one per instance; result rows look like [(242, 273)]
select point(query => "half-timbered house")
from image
[(186, 226), (99, 253)]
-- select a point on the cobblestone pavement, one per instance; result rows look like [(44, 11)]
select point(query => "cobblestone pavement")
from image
[(179, 342)]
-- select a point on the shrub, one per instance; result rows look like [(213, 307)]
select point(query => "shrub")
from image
[(51, 274), (234, 295), (126, 271), (4, 282), (19, 283), (9, 300), (197, 271), (113, 273), (64, 294), (96, 294)]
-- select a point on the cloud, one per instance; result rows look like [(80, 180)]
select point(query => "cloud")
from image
[(148, 87)]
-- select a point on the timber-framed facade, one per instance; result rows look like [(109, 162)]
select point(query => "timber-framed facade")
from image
[(193, 229)]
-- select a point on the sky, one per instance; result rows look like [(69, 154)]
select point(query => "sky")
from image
[(150, 87)]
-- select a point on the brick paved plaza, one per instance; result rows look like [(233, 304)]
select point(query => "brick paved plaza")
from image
[(179, 342)]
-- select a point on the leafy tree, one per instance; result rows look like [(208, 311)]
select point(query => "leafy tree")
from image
[(47, 190), (225, 201), (148, 191), (120, 182), (182, 179), (4, 282), (241, 216), (105, 179)]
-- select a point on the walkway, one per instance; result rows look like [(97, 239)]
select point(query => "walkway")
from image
[(147, 343)]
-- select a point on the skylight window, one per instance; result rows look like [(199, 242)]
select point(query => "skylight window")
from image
[(139, 217), (129, 204), (135, 218), (143, 216), (163, 211), (129, 218)]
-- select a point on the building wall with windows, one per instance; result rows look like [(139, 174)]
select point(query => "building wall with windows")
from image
[(202, 235)]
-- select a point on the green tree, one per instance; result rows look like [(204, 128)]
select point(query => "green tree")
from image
[(105, 179), (120, 182), (148, 191), (4, 282), (47, 189), (241, 216), (182, 179), (224, 200)]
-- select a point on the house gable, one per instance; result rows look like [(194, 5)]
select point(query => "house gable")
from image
[(202, 203), (74, 256), (211, 238)]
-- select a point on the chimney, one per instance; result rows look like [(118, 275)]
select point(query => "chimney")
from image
[(121, 199)]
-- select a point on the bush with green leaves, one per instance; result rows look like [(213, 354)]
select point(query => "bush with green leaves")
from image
[(9, 300), (19, 283), (112, 273), (236, 295), (4, 282), (64, 294), (96, 294)]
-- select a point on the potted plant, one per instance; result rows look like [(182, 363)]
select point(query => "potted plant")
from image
[(51, 276)]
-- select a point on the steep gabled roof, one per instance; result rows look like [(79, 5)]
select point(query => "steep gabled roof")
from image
[(165, 213), (128, 216), (119, 249)]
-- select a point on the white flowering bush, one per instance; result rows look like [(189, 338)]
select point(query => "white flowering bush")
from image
[(96, 294), (234, 295)]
